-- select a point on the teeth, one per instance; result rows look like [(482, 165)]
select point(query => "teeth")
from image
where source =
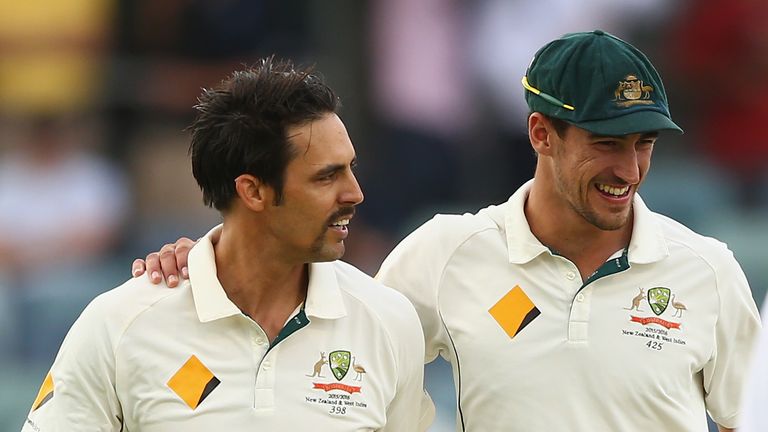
[(613, 190), (343, 222)]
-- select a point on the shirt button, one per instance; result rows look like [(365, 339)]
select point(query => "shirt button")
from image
[(266, 365), (259, 341), (579, 297), (570, 275)]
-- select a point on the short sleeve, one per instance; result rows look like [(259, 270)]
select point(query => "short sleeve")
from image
[(415, 267), (737, 326), (411, 409), (79, 391), (755, 418)]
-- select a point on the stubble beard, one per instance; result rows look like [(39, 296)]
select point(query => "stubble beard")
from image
[(603, 223), (581, 207), (317, 250)]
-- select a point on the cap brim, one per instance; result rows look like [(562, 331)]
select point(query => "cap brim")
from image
[(636, 122)]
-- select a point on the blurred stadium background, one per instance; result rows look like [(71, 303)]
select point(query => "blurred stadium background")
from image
[(95, 95)]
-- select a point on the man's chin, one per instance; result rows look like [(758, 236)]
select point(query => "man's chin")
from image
[(607, 222), (330, 253), (614, 223)]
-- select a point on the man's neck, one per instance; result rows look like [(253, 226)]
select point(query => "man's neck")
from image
[(570, 235), (257, 281)]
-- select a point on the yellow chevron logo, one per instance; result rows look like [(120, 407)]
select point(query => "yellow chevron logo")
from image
[(45, 394), (514, 311), (193, 382)]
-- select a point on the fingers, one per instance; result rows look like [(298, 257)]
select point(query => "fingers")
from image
[(183, 245), (138, 268), (168, 263), (167, 258), (152, 262)]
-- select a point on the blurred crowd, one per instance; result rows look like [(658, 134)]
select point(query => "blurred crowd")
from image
[(95, 96)]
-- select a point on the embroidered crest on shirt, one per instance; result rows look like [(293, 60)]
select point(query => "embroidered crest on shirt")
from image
[(340, 362), (193, 382), (514, 311), (338, 397), (658, 299), (659, 320)]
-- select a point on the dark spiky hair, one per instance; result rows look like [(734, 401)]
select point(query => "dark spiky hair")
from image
[(240, 126)]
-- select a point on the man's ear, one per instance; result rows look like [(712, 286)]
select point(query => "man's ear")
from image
[(253, 192), (541, 132)]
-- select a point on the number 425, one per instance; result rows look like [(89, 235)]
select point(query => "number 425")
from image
[(654, 345)]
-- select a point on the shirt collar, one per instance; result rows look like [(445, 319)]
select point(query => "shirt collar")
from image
[(324, 299), (522, 245), (647, 245), (211, 302)]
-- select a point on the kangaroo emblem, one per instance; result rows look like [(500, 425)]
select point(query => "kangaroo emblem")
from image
[(636, 301), (318, 366)]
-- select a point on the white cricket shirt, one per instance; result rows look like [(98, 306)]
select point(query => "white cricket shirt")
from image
[(756, 393), (659, 334), (148, 358)]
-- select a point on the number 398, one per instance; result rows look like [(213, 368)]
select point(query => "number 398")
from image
[(338, 410)]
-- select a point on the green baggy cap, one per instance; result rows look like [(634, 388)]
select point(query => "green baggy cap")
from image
[(600, 83)]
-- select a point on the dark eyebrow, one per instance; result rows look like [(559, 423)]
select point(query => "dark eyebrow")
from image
[(330, 169)]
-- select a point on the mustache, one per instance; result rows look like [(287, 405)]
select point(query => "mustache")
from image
[(341, 213)]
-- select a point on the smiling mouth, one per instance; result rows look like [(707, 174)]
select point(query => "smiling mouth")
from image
[(612, 191), (340, 224)]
